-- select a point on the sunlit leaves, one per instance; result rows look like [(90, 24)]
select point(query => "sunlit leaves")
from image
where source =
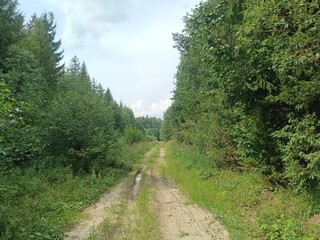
[(245, 67)]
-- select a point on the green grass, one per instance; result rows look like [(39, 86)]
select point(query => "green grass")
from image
[(43, 204), (245, 203), (147, 226), (133, 220), (34, 206)]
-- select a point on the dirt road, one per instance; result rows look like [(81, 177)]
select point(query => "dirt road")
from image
[(175, 216), (178, 218)]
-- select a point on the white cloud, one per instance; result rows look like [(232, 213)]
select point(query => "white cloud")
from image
[(89, 20), (126, 44), (161, 106), (138, 105), (141, 108)]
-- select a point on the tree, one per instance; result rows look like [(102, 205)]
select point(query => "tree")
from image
[(133, 135), (240, 96), (74, 68), (84, 75), (108, 96), (151, 126), (79, 124), (40, 40), (167, 127), (11, 24)]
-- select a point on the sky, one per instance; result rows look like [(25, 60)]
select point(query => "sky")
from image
[(126, 44)]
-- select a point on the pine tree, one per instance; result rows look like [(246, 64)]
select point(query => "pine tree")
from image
[(11, 24)]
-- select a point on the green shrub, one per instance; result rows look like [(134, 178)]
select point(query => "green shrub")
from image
[(78, 128), (19, 142), (283, 228), (133, 135), (299, 143)]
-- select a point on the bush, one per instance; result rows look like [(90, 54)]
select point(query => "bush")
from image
[(299, 143), (79, 130), (19, 143), (283, 229), (133, 135), (39, 205)]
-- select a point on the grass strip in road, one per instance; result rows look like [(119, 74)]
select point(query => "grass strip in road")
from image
[(136, 220), (146, 226)]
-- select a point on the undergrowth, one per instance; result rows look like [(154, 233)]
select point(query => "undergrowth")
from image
[(246, 203), (42, 204)]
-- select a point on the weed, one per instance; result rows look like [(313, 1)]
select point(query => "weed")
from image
[(282, 228), (42, 204), (183, 234), (242, 201)]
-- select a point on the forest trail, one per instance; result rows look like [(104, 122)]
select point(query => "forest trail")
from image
[(176, 217), (98, 212)]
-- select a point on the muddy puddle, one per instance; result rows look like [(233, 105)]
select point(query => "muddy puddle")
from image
[(136, 184)]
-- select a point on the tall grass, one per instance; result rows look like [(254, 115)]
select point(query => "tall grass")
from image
[(42, 204), (248, 205)]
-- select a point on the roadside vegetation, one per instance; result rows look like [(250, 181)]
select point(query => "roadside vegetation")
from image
[(247, 204), (247, 88), (43, 204), (246, 109)]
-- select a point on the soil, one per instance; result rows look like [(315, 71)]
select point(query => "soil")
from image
[(177, 217), (96, 214)]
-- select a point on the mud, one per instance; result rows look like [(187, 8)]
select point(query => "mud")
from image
[(136, 184)]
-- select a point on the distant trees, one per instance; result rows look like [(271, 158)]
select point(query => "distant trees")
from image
[(167, 126), (247, 87), (151, 126)]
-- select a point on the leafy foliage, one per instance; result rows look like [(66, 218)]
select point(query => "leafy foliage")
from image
[(151, 126), (18, 143), (73, 132), (133, 135), (283, 229), (248, 80), (300, 148)]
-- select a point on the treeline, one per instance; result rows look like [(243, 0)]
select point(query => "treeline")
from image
[(151, 127), (248, 87), (51, 114)]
